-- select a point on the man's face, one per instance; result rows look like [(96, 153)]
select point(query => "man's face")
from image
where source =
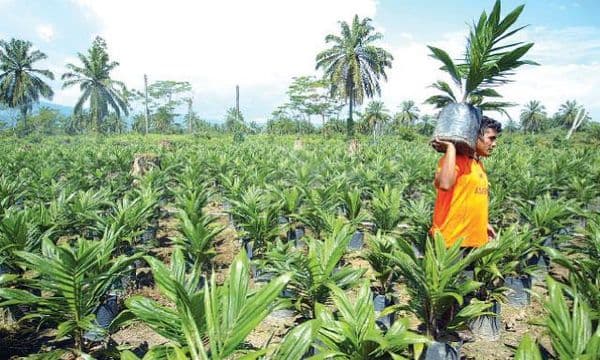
[(486, 142)]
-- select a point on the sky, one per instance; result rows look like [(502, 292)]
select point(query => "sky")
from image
[(261, 45)]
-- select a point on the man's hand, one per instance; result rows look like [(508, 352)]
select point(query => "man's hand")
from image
[(440, 145), (491, 232)]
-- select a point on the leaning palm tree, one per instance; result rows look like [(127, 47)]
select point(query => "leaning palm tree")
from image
[(354, 65), (376, 115), (487, 63), (20, 83), (96, 85), (568, 113), (409, 113), (533, 116)]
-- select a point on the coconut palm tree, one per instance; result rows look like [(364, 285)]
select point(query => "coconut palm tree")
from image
[(568, 112), (409, 113), (533, 116), (20, 83), (354, 65), (96, 85), (487, 63), (376, 115)]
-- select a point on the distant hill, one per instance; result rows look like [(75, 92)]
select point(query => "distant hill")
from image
[(9, 116)]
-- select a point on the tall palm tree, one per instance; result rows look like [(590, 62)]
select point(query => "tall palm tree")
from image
[(376, 115), (409, 113), (567, 112), (96, 85), (21, 85), (533, 116), (353, 65), (487, 63)]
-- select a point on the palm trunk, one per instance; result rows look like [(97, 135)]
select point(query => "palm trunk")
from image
[(147, 114), (350, 123), (374, 130), (577, 121), (24, 115)]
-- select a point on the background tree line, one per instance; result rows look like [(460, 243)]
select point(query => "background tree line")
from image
[(352, 69)]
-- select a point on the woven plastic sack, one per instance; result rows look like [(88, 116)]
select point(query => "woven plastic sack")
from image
[(459, 123)]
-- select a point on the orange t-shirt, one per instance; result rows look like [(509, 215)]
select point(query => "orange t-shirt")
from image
[(462, 211)]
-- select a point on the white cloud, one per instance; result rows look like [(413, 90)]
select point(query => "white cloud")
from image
[(414, 70), (262, 44), (569, 70), (5, 3), (218, 44), (45, 32)]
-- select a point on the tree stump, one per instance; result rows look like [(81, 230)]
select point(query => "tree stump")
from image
[(142, 164), (353, 147), (166, 144), (298, 145)]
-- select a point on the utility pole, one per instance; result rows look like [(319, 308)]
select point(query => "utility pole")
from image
[(237, 103), (190, 115), (146, 95)]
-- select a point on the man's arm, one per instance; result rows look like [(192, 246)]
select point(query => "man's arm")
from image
[(446, 177), (491, 232)]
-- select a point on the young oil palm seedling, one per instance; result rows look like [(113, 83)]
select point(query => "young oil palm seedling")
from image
[(192, 200), (73, 282), (321, 203), (18, 233), (581, 259), (528, 350), (436, 286), (385, 208), (257, 215), (352, 332), (150, 196), (231, 184), (290, 199), (487, 62), (312, 272), (530, 186), (196, 237), (417, 215), (489, 270), (547, 216), (130, 216), (355, 213), (294, 345), (501, 205), (12, 191), (210, 322), (582, 188), (315, 216), (84, 209), (518, 252), (192, 174), (304, 175), (572, 334), (378, 247), (377, 254), (352, 207)]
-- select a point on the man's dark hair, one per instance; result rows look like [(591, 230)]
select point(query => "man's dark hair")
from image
[(489, 123)]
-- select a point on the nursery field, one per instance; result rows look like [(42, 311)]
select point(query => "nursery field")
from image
[(273, 247)]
